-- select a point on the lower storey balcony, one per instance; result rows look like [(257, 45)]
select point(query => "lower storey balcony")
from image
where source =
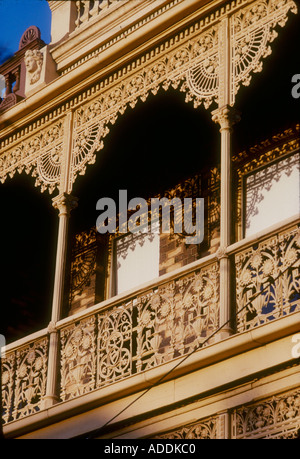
[(166, 336)]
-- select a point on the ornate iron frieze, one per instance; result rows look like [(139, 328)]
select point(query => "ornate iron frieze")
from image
[(177, 318), (252, 31), (78, 359), (268, 280), (24, 380), (204, 429), (8, 382), (40, 155), (277, 417), (158, 326), (83, 263), (202, 60)]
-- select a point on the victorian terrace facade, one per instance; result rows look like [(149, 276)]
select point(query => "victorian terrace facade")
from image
[(142, 335)]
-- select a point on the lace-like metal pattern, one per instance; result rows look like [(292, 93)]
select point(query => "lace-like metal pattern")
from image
[(252, 30), (24, 380), (169, 69), (204, 429), (192, 61), (140, 334), (78, 359), (83, 261), (277, 417), (41, 155), (265, 269)]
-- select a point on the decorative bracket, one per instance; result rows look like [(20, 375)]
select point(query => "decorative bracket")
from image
[(209, 60)]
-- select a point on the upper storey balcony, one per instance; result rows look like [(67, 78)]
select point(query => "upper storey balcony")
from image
[(207, 312)]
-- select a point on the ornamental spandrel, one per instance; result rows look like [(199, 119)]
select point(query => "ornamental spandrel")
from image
[(194, 60)]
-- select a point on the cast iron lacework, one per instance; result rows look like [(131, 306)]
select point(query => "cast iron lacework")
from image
[(193, 61), (83, 261), (195, 66), (204, 429), (78, 362), (277, 417), (257, 268), (252, 29), (164, 323), (39, 154), (24, 380)]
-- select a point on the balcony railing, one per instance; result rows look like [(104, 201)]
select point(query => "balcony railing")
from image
[(24, 373), (268, 272), (87, 10), (167, 319), (162, 323)]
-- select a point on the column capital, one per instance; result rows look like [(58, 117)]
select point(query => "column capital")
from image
[(65, 202), (226, 116)]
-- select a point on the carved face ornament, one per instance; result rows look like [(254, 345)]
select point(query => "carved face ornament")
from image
[(34, 61)]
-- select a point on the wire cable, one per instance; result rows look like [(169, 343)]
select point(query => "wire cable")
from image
[(199, 346)]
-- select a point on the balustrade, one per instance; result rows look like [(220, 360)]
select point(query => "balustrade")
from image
[(87, 10), (150, 329), (172, 317), (24, 380), (268, 272)]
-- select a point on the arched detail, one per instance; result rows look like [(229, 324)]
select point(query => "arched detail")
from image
[(252, 31), (166, 68), (30, 34), (39, 155), (206, 61), (193, 62)]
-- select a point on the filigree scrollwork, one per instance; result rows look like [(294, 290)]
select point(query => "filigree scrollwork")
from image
[(252, 30), (115, 341), (169, 69), (177, 318), (128, 338), (85, 143), (204, 429), (8, 381), (277, 417), (78, 359), (202, 74), (203, 78), (30, 378), (193, 65), (214, 182), (264, 269), (83, 261), (40, 155)]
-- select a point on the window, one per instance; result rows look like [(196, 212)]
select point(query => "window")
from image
[(136, 260), (272, 194)]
